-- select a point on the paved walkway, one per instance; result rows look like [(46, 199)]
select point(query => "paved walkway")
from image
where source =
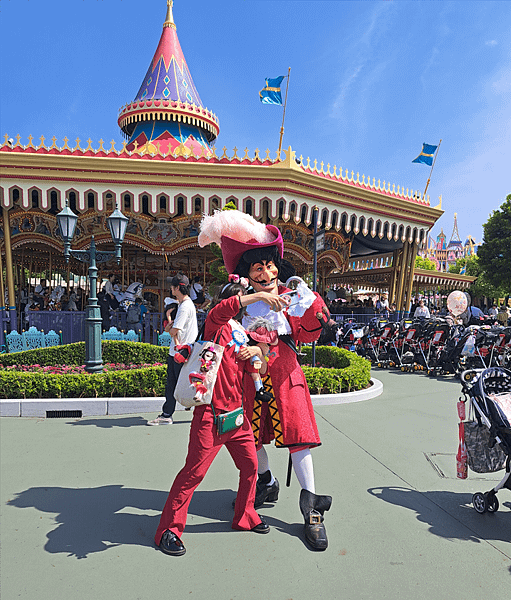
[(80, 501)]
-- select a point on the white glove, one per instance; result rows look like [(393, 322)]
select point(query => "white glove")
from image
[(301, 298)]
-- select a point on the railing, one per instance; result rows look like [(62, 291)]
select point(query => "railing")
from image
[(366, 317), (5, 325), (72, 324)]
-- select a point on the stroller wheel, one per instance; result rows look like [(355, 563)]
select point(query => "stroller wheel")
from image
[(480, 502), (493, 503)]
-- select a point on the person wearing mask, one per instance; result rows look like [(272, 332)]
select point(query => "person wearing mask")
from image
[(421, 311), (493, 311), (184, 331)]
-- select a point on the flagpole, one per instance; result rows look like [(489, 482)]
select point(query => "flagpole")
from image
[(432, 167), (284, 113)]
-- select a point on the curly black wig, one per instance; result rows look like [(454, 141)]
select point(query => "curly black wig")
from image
[(257, 255)]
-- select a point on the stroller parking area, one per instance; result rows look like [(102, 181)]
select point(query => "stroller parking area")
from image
[(81, 499)]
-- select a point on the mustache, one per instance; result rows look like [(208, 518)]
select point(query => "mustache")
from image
[(262, 281)]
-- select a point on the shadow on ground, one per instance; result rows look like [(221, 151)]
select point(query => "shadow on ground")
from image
[(97, 519), (451, 515), (121, 422)]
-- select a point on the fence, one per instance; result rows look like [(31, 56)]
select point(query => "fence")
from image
[(366, 317), (72, 324)]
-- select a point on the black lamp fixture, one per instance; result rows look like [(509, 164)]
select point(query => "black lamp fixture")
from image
[(67, 220), (117, 224)]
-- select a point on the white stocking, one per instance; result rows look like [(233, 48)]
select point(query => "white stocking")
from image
[(262, 461), (263, 465), (304, 469)]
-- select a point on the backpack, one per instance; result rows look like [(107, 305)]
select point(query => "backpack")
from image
[(133, 314), (200, 295)]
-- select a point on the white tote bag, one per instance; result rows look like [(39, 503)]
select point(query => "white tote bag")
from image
[(198, 375)]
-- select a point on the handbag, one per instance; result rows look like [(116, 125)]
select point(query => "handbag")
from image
[(198, 374), (483, 457), (228, 421)]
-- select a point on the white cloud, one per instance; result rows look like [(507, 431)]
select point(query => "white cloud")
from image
[(491, 43)]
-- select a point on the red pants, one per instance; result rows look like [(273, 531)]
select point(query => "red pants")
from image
[(203, 446)]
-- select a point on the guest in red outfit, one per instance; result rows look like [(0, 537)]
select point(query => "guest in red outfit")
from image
[(222, 324)]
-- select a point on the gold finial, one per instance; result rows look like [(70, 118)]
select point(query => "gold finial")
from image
[(169, 21)]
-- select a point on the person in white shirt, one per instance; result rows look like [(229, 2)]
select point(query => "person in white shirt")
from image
[(184, 331), (421, 311), (493, 311), (71, 305)]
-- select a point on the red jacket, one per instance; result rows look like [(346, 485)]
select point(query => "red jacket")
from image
[(227, 393), (294, 403)]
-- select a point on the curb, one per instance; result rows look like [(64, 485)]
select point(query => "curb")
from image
[(374, 391), (94, 407)]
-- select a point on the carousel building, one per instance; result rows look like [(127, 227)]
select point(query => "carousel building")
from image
[(168, 172)]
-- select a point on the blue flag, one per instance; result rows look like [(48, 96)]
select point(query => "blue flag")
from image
[(270, 94), (427, 154)]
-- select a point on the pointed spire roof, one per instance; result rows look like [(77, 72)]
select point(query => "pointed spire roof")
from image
[(167, 92)]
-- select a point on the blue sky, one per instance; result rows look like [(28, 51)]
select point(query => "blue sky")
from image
[(370, 81)]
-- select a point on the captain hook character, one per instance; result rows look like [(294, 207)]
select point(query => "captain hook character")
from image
[(253, 250)]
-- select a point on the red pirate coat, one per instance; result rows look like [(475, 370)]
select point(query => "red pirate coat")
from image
[(293, 401)]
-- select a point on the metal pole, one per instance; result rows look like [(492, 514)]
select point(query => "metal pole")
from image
[(284, 112), (315, 269), (93, 355)]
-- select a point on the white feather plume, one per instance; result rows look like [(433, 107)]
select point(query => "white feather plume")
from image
[(234, 224)]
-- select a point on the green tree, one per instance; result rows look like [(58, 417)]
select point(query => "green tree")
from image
[(424, 263), (482, 286), (495, 252)]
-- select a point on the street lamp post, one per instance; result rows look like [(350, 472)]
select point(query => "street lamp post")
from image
[(117, 224)]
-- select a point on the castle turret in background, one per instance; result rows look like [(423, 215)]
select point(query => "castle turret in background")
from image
[(167, 112), (455, 246)]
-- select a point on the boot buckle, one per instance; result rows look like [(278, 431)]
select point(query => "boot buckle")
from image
[(314, 518)]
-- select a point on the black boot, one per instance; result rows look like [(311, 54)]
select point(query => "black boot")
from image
[(265, 492), (313, 508)]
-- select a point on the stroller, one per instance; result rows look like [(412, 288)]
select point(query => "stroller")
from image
[(489, 394)]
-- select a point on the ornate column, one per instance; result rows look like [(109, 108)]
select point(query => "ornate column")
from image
[(9, 270), (411, 273), (401, 278)]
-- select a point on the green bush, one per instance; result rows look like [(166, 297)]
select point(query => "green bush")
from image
[(147, 381), (338, 370), (74, 354)]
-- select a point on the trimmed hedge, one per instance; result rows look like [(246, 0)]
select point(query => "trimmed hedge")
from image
[(340, 371), (147, 381), (74, 354)]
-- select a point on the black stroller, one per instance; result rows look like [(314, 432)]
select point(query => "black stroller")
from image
[(488, 393)]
